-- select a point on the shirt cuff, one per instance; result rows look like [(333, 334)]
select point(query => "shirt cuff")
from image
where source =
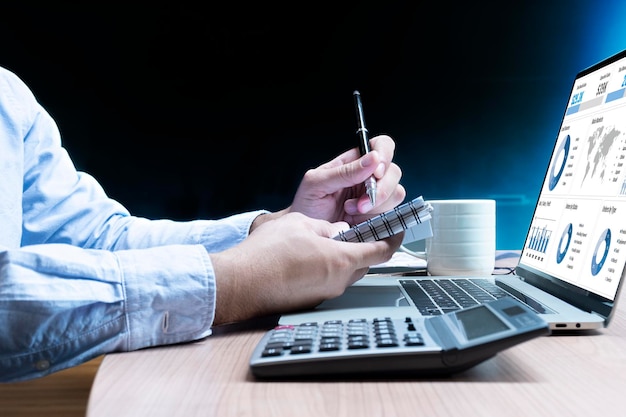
[(170, 293)]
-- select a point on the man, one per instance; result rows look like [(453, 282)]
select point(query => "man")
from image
[(80, 276)]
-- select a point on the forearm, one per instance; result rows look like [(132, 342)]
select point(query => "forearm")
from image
[(215, 235)]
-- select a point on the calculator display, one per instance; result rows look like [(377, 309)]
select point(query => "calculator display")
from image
[(478, 322)]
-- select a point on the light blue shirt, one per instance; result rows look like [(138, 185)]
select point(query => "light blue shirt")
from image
[(80, 276)]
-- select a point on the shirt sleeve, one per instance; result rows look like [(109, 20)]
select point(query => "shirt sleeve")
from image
[(79, 275), (61, 305)]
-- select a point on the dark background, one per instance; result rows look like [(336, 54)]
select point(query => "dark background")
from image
[(186, 110)]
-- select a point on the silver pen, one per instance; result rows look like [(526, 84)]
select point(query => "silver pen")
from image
[(364, 145)]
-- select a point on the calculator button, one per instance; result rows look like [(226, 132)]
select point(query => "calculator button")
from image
[(333, 339), (329, 346), (300, 349), (413, 339), (271, 351), (387, 342), (275, 345), (358, 344)]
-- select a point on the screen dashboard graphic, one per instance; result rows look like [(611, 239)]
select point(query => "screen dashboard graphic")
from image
[(578, 232)]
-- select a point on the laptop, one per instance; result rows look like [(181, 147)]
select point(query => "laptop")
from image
[(573, 261)]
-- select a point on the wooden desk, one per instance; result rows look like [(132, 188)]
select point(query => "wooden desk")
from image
[(545, 377), (63, 394)]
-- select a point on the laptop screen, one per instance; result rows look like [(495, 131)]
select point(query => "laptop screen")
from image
[(577, 237)]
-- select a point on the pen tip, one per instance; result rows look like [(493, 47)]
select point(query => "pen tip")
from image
[(371, 193), (356, 93)]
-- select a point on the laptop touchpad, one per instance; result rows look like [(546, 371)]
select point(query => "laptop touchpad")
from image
[(366, 296)]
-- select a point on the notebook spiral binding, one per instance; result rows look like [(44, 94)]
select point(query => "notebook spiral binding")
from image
[(386, 224)]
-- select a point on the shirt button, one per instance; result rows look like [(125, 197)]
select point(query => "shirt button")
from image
[(42, 365)]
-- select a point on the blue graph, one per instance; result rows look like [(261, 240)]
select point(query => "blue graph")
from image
[(539, 238), (566, 238)]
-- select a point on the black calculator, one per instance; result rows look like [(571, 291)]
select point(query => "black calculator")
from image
[(411, 346)]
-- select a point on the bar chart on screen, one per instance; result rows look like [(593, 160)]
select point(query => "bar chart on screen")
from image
[(539, 238)]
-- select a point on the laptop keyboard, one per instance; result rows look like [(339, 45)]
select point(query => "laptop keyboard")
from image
[(440, 296)]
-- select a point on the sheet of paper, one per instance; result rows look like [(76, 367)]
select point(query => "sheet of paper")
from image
[(399, 262)]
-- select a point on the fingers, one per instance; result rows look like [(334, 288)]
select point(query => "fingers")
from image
[(386, 147), (366, 254), (356, 168), (337, 227), (389, 193), (350, 169), (340, 173), (336, 191)]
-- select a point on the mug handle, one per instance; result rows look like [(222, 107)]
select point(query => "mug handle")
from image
[(417, 254)]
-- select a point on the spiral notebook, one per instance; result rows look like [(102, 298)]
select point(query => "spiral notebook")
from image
[(407, 216)]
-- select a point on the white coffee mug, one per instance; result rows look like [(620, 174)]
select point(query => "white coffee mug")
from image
[(464, 237)]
